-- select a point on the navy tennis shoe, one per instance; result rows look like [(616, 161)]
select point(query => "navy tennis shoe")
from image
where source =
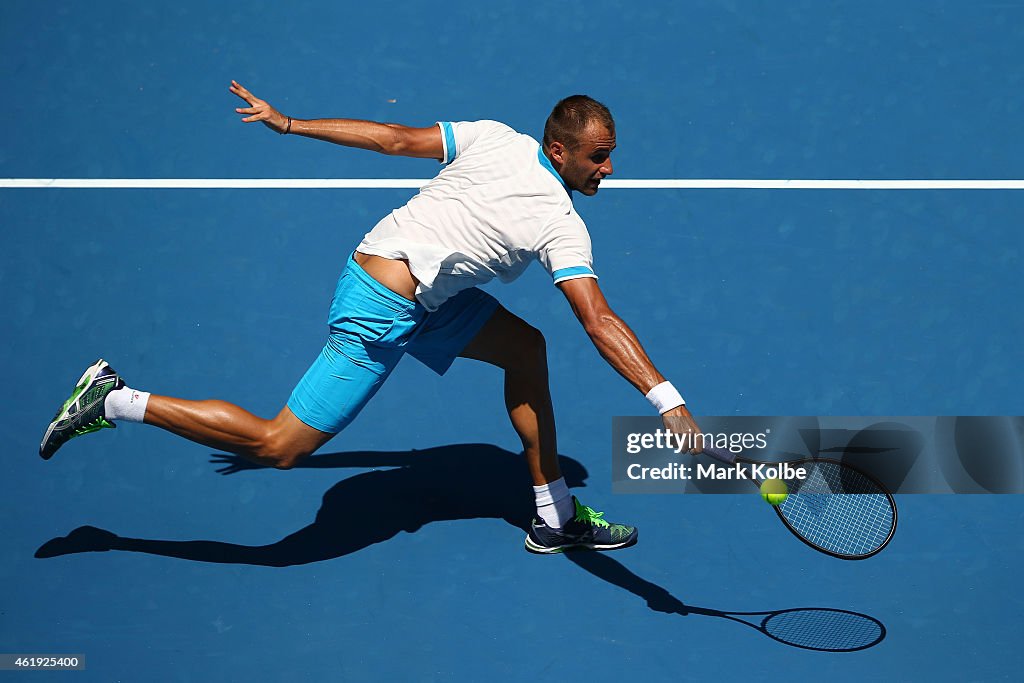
[(588, 530)]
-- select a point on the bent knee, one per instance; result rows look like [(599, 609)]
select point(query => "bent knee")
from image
[(531, 352), (282, 455), (534, 344), (286, 441), (289, 460)]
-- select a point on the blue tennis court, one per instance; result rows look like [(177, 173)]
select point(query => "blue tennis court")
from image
[(396, 553)]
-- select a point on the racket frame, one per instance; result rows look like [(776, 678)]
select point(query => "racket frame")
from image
[(730, 458)]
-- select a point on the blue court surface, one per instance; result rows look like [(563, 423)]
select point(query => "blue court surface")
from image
[(397, 552)]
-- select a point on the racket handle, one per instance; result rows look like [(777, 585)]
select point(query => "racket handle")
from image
[(721, 454)]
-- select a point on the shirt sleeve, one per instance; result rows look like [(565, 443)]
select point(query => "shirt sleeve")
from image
[(458, 136), (565, 250)]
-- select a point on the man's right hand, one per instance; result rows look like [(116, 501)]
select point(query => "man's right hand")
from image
[(258, 110), (679, 421)]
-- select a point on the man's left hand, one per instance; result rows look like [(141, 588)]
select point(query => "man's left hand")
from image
[(259, 110)]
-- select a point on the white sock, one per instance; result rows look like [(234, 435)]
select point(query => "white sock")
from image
[(126, 404), (554, 503)]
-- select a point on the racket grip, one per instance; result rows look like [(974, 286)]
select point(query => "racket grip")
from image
[(721, 454)]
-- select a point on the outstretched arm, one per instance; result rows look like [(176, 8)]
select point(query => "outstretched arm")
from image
[(386, 138), (618, 345)]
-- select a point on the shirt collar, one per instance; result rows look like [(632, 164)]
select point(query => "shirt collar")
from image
[(546, 163)]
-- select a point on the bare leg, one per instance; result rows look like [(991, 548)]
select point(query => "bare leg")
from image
[(280, 442), (511, 344)]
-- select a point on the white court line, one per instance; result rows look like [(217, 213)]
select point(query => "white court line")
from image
[(386, 183)]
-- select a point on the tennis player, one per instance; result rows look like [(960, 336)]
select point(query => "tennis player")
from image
[(500, 202)]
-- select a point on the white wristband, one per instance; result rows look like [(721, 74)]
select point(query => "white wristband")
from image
[(664, 397)]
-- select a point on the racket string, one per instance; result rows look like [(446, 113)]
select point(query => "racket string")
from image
[(839, 510)]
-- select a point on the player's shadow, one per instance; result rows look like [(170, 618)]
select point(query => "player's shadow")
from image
[(413, 489)]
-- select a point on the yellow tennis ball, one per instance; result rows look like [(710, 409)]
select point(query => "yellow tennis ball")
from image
[(774, 491)]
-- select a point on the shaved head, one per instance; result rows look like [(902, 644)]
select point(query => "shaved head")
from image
[(572, 116)]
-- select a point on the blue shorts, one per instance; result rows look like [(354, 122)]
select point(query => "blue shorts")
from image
[(371, 328)]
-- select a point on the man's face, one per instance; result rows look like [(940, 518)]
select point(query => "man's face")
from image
[(583, 168)]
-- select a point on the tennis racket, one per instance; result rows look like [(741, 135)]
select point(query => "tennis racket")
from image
[(836, 509)]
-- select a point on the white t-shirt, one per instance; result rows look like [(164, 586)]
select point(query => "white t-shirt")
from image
[(495, 207)]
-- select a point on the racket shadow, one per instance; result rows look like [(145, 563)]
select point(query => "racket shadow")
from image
[(822, 629), (462, 481)]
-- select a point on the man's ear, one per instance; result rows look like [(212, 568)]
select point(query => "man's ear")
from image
[(558, 152)]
